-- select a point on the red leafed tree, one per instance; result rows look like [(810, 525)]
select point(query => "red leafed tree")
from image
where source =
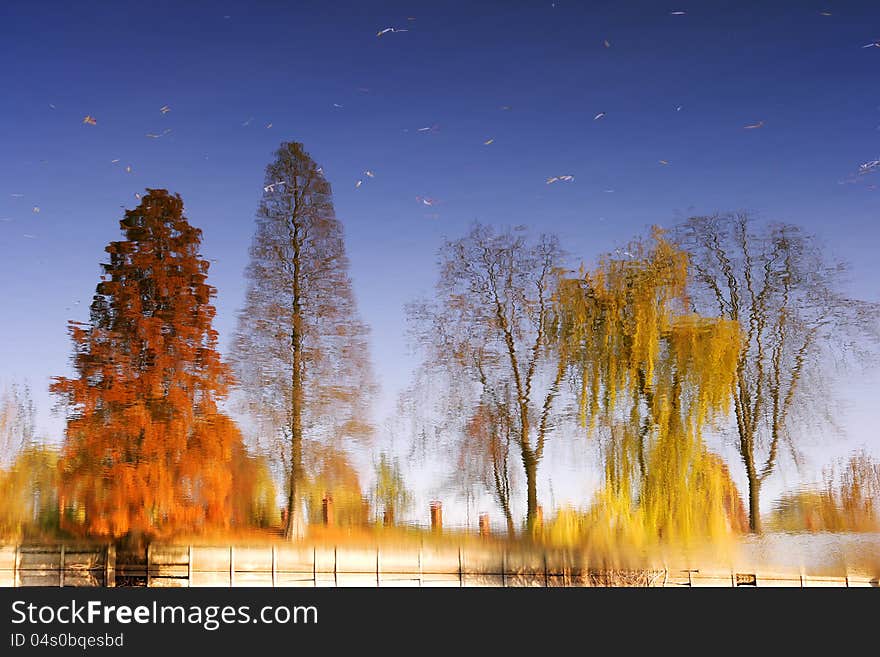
[(147, 453)]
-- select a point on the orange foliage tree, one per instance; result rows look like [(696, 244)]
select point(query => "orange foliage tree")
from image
[(146, 452)]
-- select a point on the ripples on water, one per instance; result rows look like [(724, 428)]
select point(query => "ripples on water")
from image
[(823, 554), (819, 553)]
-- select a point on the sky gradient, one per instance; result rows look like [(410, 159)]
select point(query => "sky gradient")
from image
[(240, 77)]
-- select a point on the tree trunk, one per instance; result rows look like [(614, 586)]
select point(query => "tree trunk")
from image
[(531, 467), (754, 506), (294, 529), (132, 542), (511, 527)]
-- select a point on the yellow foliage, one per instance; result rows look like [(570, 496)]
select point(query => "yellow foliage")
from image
[(334, 476), (849, 501), (566, 528), (655, 375), (29, 499)]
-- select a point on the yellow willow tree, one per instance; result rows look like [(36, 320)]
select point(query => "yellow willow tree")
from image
[(654, 375)]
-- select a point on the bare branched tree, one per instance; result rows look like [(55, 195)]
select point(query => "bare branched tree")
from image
[(16, 421), (788, 299), (301, 353), (490, 326)]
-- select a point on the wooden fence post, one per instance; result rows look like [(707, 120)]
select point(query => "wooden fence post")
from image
[(189, 565), (149, 545), (274, 567), (231, 566), (15, 566), (110, 566), (377, 567), (460, 569), (436, 516), (327, 510), (61, 567), (484, 524)]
